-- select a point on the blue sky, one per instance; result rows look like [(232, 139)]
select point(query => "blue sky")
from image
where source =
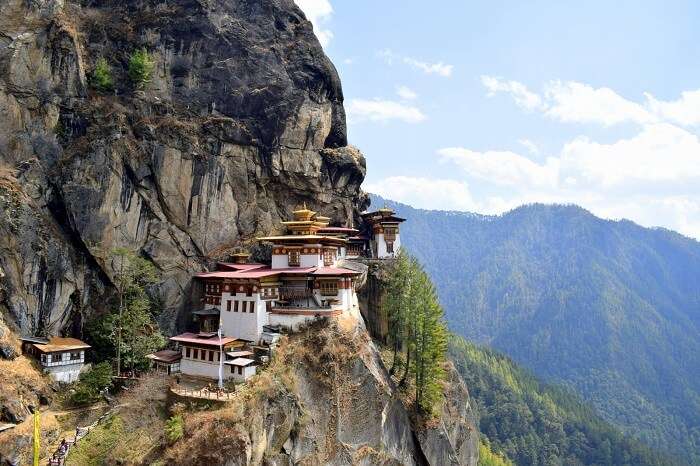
[(483, 106)]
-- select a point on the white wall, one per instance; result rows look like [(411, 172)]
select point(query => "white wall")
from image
[(243, 325), (67, 374), (381, 246), (280, 261), (311, 260), (231, 371), (200, 368)]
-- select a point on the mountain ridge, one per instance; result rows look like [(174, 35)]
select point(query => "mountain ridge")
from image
[(608, 308)]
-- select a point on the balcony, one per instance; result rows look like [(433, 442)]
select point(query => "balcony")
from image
[(289, 293)]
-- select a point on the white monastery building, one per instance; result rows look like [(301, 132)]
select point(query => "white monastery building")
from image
[(384, 239), (61, 358), (305, 281)]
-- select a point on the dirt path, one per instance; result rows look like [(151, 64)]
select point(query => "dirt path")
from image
[(74, 434)]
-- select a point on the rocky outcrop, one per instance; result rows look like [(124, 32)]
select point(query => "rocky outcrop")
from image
[(453, 438), (370, 298), (241, 122), (327, 399)]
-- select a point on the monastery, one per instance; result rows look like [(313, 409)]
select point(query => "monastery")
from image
[(246, 305), (61, 358)]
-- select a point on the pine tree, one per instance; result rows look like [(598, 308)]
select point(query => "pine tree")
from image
[(430, 346), (102, 76), (396, 303), (140, 67), (417, 330)]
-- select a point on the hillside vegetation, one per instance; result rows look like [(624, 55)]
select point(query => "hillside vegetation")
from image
[(607, 308), (531, 423)]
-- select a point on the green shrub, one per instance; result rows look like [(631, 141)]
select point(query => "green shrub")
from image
[(140, 67), (102, 76), (88, 387), (174, 428)]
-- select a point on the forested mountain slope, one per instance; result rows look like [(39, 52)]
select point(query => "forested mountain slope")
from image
[(609, 308), (534, 423)]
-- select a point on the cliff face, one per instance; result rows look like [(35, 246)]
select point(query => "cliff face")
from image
[(327, 399), (242, 121)]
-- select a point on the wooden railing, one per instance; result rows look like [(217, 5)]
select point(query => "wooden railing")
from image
[(204, 393), (295, 293)]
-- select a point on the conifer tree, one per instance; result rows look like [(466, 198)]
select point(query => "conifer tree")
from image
[(102, 76), (140, 68), (430, 345), (396, 303), (417, 329)]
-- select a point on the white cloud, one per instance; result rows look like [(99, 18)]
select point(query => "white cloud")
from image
[(573, 102), (652, 177), (440, 68), (580, 103), (530, 146), (380, 110), (659, 153), (406, 93), (319, 13), (503, 167), (425, 192), (522, 95), (684, 111), (387, 55)]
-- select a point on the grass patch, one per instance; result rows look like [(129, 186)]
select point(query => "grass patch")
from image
[(132, 434)]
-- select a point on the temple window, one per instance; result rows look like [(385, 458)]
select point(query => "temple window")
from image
[(235, 306), (228, 305), (329, 288), (327, 257), (293, 258)]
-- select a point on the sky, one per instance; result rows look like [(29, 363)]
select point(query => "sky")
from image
[(485, 106)]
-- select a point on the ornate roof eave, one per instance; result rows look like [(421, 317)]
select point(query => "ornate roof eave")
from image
[(302, 238)]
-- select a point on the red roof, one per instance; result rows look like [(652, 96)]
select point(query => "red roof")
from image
[(255, 273), (268, 272), (334, 271), (233, 266), (195, 338)]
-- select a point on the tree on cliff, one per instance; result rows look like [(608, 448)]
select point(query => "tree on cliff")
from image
[(417, 329), (430, 343), (140, 68), (129, 332), (397, 303)]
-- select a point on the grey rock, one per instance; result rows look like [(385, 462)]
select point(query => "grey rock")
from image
[(7, 352), (242, 122), (13, 411)]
